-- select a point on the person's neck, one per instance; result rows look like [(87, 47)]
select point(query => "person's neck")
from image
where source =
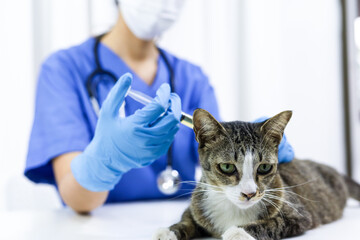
[(136, 49)]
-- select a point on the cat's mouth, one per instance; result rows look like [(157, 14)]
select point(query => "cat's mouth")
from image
[(247, 203), (243, 202)]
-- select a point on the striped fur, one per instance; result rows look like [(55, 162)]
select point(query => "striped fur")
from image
[(289, 200)]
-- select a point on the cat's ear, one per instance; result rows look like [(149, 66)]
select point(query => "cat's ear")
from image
[(207, 129), (273, 128)]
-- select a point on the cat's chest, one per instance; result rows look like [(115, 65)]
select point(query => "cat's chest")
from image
[(223, 214)]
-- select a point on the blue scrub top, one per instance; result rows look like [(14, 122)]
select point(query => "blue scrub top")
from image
[(65, 120)]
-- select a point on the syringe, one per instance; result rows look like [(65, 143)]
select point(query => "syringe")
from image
[(140, 97)]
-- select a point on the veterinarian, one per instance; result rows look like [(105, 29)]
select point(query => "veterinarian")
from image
[(117, 154)]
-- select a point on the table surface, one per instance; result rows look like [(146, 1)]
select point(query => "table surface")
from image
[(138, 220)]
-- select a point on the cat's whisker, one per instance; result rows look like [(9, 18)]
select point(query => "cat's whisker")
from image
[(196, 183), (290, 204), (199, 183), (193, 191), (264, 206), (274, 205), (297, 184), (206, 190), (278, 198), (179, 196), (271, 202), (285, 191)]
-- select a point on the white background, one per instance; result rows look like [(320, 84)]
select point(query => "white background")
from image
[(262, 56)]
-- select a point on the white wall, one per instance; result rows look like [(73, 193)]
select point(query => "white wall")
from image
[(293, 61), (58, 24), (16, 91), (355, 103), (354, 83)]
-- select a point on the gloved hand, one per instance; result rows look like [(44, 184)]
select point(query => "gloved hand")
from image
[(286, 151), (121, 144)]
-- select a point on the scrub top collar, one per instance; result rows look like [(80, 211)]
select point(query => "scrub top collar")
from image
[(110, 61)]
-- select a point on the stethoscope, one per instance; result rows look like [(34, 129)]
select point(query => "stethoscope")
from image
[(168, 180)]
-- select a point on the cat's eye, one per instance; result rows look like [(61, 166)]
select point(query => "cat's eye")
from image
[(227, 168), (264, 169)]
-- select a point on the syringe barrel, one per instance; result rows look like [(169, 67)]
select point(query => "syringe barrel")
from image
[(186, 119)]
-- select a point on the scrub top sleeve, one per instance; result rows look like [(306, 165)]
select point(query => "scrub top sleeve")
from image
[(60, 124)]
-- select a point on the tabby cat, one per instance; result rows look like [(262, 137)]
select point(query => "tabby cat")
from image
[(244, 193)]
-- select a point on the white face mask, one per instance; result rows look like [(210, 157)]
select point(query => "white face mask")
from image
[(148, 19)]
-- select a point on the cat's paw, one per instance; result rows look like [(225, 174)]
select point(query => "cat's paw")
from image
[(236, 233), (164, 234)]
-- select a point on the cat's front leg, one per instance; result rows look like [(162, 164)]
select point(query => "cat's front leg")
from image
[(279, 227), (164, 234), (236, 233), (183, 230)]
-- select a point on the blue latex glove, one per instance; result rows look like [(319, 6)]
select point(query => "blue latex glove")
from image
[(121, 144), (286, 151)]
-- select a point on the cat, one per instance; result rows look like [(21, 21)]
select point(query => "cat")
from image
[(244, 194)]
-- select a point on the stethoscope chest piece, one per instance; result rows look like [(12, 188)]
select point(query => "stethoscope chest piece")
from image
[(169, 181)]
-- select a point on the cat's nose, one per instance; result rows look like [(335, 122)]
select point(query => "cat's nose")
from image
[(248, 196)]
